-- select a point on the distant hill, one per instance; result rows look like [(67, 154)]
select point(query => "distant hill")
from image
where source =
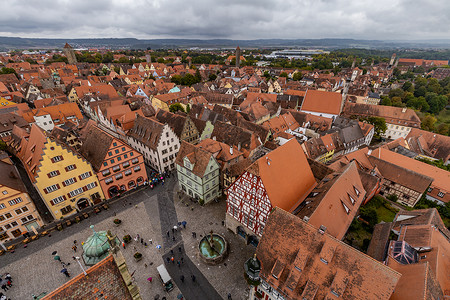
[(8, 43)]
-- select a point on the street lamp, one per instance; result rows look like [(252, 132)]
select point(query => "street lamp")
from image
[(81, 266)]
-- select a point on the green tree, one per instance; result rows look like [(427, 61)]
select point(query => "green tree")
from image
[(188, 108), (284, 74), (176, 107), (408, 86), (396, 93), (385, 100), (443, 129), (212, 77), (364, 71), (428, 123), (5, 70), (267, 75), (418, 103), (198, 76), (369, 214), (379, 126), (177, 79), (297, 76)]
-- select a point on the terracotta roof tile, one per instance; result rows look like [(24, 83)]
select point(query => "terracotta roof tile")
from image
[(326, 266), (322, 102)]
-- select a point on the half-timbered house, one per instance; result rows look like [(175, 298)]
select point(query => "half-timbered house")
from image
[(282, 178)]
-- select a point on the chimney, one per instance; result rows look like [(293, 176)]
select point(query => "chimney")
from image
[(239, 146), (268, 160), (231, 150), (403, 109), (322, 229)]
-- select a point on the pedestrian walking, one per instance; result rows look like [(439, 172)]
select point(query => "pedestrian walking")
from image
[(171, 251), (150, 279), (168, 259), (142, 241), (179, 249), (65, 272), (145, 244), (4, 287), (74, 248), (8, 283), (8, 276), (172, 260), (150, 241), (182, 260), (179, 264), (168, 233), (182, 278), (123, 245), (173, 238), (229, 296), (193, 277), (75, 242), (173, 230)]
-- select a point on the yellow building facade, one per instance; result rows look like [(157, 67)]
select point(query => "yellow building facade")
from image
[(66, 181), (157, 103), (18, 214)]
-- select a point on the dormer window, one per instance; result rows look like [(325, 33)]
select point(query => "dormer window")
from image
[(356, 191), (347, 210)]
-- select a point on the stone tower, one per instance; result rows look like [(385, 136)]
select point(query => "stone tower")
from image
[(392, 61), (238, 57), (70, 54)]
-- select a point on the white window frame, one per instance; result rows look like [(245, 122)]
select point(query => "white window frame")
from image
[(76, 192), (69, 181), (85, 175), (58, 199)]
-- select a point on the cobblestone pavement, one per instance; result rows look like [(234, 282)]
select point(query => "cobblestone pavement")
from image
[(200, 288), (34, 270), (227, 277)]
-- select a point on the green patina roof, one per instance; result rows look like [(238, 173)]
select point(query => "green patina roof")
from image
[(95, 248)]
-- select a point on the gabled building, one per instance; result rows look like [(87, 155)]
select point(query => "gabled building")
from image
[(439, 190), (198, 173), (156, 141), (57, 115), (408, 186), (18, 214), (63, 178), (421, 253), (9, 120), (119, 168), (282, 178), (183, 126), (321, 103), (399, 120), (301, 261), (334, 202)]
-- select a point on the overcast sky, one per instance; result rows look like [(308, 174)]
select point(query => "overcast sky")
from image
[(235, 19)]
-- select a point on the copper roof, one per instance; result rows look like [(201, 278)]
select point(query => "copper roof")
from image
[(104, 281)]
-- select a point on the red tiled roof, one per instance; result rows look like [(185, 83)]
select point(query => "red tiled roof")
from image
[(299, 261), (281, 171), (322, 102)]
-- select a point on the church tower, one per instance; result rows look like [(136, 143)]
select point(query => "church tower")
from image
[(70, 54), (238, 57)]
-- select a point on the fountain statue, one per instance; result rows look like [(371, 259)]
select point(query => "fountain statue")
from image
[(213, 248)]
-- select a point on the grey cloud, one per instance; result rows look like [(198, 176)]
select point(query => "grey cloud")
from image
[(238, 19)]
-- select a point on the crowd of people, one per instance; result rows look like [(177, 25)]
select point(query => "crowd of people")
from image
[(6, 284)]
